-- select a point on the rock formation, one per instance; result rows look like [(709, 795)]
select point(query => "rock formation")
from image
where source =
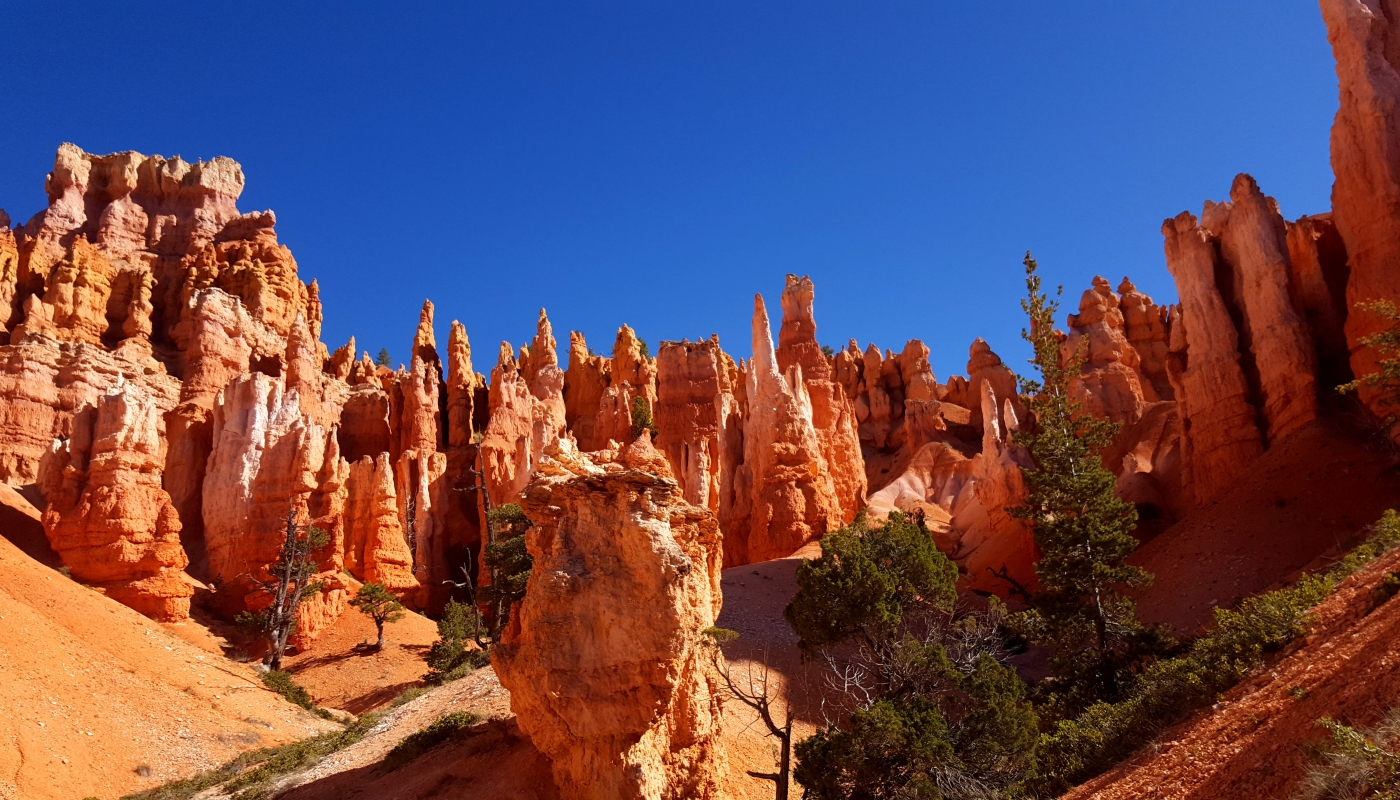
[(833, 413), (792, 498), (1110, 382), (1222, 436), (108, 517), (1366, 162), (605, 657)]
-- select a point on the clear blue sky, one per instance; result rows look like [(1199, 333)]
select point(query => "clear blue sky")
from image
[(657, 163)]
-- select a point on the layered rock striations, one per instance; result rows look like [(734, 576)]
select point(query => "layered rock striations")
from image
[(605, 658), (108, 517), (1366, 163)]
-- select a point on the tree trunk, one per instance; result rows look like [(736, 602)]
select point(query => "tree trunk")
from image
[(380, 627), (784, 761)]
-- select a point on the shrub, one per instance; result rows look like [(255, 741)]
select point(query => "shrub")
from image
[(935, 712), (281, 682), (1079, 748), (451, 726), (251, 772), (1357, 764)]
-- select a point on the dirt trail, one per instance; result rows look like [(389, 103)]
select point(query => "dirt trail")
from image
[(91, 690)]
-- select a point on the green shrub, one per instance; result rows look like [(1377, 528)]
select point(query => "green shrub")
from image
[(249, 775), (934, 709), (1357, 764), (508, 561), (1079, 748), (451, 726), (281, 682)]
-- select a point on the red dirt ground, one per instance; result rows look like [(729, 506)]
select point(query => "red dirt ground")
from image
[(1252, 744), (1304, 499), (90, 690)]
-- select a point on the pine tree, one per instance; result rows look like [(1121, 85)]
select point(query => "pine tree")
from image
[(1385, 381), (641, 417), (380, 605), (508, 561), (289, 582), (1083, 531), (383, 358)]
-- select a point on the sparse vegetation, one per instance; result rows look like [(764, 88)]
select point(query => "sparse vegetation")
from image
[(643, 348), (1357, 765), (1078, 749), (932, 710), (453, 655), (289, 582), (253, 773), (383, 359), (1386, 379), (758, 693), (828, 351), (451, 726), (380, 605), (281, 682)]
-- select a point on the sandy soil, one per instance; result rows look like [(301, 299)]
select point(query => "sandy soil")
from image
[(498, 761), (342, 671), (1304, 500), (1253, 743), (90, 690)]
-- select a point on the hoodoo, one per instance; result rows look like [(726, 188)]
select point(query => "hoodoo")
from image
[(605, 657)]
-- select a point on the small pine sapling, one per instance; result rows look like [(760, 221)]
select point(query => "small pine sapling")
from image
[(380, 605)]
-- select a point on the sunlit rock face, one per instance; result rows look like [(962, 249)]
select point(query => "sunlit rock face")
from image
[(604, 657)]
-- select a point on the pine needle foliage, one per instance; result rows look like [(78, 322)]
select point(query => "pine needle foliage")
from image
[(379, 604), (641, 418), (932, 710), (508, 561), (1386, 379), (454, 654), (1084, 612)]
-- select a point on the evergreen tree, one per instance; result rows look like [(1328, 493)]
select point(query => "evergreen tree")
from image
[(383, 358), (641, 417), (1083, 612), (380, 605), (1386, 379), (933, 711), (508, 563), (457, 631), (288, 583)]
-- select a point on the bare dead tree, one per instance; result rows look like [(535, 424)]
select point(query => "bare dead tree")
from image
[(289, 582), (758, 693)]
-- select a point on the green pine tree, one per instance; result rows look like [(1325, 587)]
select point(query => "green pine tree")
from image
[(641, 417), (379, 604), (383, 358), (1386, 379), (508, 561), (1084, 612), (933, 709)]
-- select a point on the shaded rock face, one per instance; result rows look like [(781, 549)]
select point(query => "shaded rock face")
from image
[(604, 658), (699, 424), (1366, 161), (1244, 360), (108, 517)]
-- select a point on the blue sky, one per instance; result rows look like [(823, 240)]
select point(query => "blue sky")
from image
[(657, 163)]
